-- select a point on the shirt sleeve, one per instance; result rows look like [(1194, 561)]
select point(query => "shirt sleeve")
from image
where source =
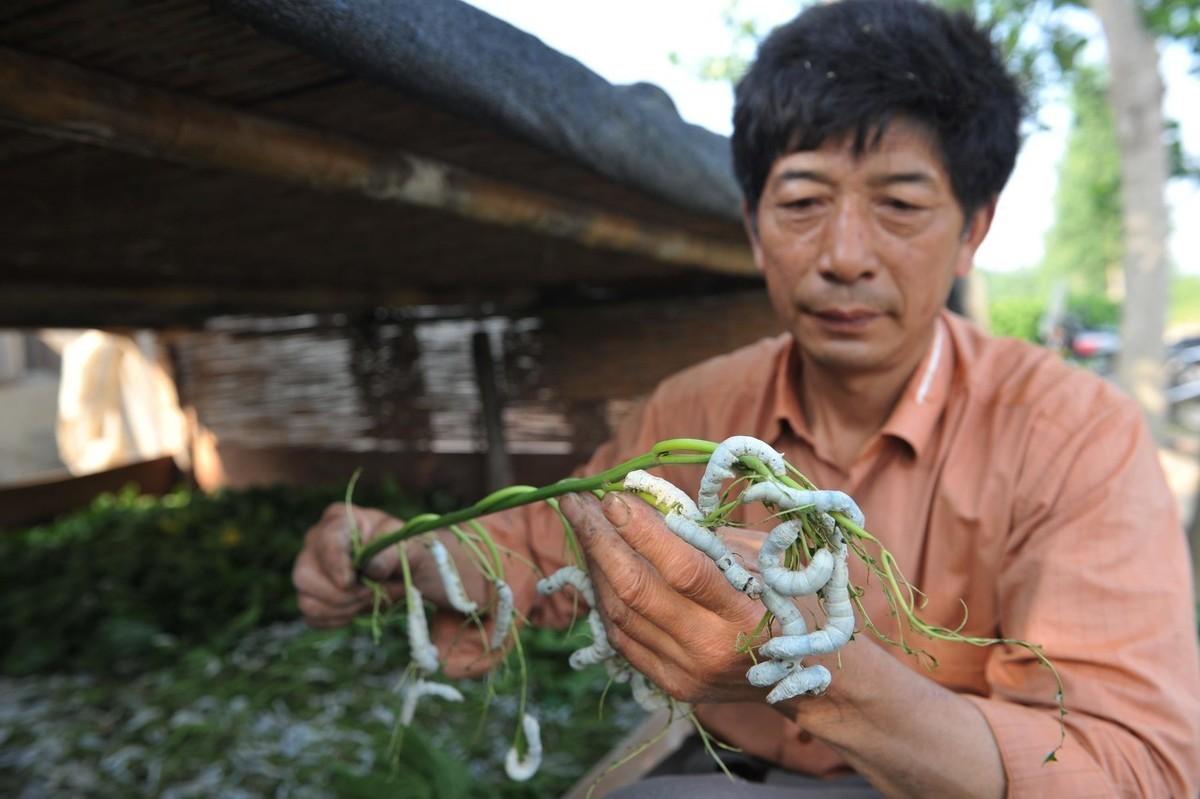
[(1097, 571)]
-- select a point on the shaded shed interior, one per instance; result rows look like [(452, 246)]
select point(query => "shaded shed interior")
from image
[(97, 236)]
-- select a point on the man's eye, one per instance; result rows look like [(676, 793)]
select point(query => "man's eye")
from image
[(801, 204), (900, 205)]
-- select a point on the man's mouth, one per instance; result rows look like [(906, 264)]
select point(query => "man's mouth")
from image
[(849, 319)]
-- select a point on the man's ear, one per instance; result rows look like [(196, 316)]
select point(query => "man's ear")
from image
[(750, 223), (974, 232)]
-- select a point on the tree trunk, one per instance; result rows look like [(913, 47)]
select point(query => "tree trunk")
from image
[(1136, 92)]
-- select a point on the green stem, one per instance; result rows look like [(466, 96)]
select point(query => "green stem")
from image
[(664, 453)]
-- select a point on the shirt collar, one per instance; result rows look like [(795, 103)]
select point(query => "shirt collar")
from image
[(911, 421)]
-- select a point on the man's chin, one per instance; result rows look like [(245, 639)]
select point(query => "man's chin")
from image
[(851, 357)]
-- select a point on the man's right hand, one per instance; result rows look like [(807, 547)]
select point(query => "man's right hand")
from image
[(330, 594), (327, 588)]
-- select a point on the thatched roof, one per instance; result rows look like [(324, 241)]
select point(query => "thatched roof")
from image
[(167, 160)]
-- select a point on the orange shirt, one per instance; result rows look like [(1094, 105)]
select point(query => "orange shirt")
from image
[(1003, 478)]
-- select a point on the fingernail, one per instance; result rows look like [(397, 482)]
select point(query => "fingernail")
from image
[(616, 509)]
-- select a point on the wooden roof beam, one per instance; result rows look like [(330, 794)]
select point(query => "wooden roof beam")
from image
[(58, 99)]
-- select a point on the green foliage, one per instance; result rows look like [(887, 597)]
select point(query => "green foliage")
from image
[(1185, 300), (174, 619), (1016, 302), (1174, 19), (1094, 310), (1016, 317), (1085, 244), (128, 582)]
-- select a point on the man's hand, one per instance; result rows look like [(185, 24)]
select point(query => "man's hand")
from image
[(668, 609), (328, 591), (330, 595)]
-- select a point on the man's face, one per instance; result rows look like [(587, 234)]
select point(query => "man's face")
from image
[(859, 252)]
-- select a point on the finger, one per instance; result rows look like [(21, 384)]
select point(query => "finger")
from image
[(666, 675), (621, 624), (309, 579), (318, 614), (385, 564), (635, 588), (687, 570), (633, 579)]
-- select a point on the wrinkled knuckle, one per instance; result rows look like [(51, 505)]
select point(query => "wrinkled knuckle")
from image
[(695, 577), (615, 617), (635, 589)]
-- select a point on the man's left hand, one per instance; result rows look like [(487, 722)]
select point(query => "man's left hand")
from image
[(667, 608)]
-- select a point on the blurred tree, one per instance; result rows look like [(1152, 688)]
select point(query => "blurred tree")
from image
[(1084, 245)]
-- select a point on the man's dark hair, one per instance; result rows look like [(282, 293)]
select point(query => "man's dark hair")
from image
[(851, 67)]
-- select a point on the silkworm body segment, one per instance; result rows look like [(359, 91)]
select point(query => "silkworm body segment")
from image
[(707, 542), (790, 498), (451, 580), (522, 769), (419, 688), (787, 581), (665, 494), (722, 460), (504, 614), (424, 653)]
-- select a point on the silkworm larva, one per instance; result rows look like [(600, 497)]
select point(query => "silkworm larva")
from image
[(521, 770), (424, 653), (720, 467), (419, 688), (504, 614), (451, 580), (665, 493)]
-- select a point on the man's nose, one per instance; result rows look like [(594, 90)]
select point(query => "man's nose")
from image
[(847, 256)]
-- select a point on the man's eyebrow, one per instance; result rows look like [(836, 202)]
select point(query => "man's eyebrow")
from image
[(923, 178), (919, 177), (804, 174)]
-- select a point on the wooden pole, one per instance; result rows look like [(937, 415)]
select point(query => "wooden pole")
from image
[(499, 466), (61, 100)]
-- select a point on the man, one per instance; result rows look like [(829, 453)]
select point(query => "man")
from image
[(871, 140)]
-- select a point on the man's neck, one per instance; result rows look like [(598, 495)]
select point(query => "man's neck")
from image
[(844, 410)]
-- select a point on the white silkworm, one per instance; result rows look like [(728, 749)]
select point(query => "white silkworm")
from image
[(572, 576), (839, 624), (790, 498), (787, 581), (598, 651), (708, 543), (424, 653), (791, 621), (720, 467), (504, 614), (812, 680), (769, 672), (419, 688), (666, 494), (648, 696), (618, 669), (521, 770), (451, 581)]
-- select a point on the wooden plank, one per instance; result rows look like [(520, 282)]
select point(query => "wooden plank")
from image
[(44, 498), (63, 101), (634, 756)]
